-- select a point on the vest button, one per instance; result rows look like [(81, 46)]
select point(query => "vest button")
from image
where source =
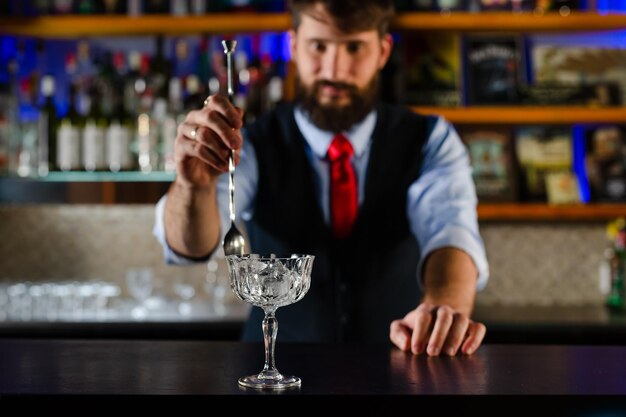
[(343, 287), (344, 319)]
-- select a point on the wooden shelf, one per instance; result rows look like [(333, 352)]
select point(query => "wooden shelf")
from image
[(527, 115), (509, 22), (103, 25), (533, 212)]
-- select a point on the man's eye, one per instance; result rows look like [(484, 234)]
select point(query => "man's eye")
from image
[(354, 47), (319, 47)]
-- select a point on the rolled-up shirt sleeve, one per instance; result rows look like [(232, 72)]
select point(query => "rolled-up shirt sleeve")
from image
[(441, 203), (246, 179)]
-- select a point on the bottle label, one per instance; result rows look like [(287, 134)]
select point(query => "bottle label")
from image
[(93, 147), (119, 157), (68, 147)]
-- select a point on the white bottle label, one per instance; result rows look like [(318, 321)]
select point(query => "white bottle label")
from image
[(118, 147), (68, 147), (93, 147)]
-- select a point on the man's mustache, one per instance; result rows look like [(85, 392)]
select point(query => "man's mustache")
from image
[(335, 84)]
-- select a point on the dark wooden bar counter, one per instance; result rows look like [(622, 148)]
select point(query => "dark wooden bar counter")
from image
[(53, 366)]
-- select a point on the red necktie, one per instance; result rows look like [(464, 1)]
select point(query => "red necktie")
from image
[(343, 188)]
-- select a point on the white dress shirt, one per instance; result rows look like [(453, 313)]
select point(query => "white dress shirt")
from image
[(441, 203)]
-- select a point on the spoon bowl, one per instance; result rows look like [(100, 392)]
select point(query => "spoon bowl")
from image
[(234, 243)]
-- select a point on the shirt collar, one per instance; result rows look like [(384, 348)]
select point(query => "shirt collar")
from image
[(319, 140)]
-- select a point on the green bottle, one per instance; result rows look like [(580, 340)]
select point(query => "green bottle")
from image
[(47, 128)]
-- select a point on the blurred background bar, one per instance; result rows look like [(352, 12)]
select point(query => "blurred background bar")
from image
[(91, 93)]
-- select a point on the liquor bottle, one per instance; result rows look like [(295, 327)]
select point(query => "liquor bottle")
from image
[(47, 128), (198, 7), (156, 6), (106, 81), (170, 123), (118, 142), (274, 90), (61, 7), (118, 136), (134, 8), (88, 7), (132, 84), (41, 7), (253, 83), (160, 71), (616, 299), (194, 100), (147, 133), (68, 136), (183, 63), (179, 7), (241, 5), (11, 111), (84, 76), (114, 6), (5, 127), (94, 131)]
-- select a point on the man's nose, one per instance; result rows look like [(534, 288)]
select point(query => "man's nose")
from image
[(336, 64)]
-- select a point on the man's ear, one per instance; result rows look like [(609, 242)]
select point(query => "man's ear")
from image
[(386, 44)]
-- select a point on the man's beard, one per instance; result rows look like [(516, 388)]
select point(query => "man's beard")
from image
[(332, 117)]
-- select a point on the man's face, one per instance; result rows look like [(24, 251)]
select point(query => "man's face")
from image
[(337, 72)]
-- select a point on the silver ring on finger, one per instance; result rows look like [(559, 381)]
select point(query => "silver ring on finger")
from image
[(206, 101), (194, 133)]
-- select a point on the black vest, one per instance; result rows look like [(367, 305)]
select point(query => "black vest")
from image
[(360, 284)]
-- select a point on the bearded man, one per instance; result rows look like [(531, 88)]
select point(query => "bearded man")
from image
[(382, 196)]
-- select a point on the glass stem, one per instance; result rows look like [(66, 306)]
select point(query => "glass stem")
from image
[(270, 329)]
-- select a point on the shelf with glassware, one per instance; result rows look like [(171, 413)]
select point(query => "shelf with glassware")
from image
[(105, 25)]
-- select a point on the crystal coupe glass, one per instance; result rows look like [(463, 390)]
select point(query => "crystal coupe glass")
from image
[(269, 283)]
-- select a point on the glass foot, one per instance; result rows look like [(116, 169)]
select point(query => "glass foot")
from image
[(254, 381)]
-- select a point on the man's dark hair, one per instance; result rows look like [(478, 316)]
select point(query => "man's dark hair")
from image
[(349, 15)]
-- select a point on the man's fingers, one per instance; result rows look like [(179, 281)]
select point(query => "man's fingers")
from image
[(475, 335), (457, 333), (400, 335), (443, 322), (213, 121), (191, 148), (233, 115), (421, 328)]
